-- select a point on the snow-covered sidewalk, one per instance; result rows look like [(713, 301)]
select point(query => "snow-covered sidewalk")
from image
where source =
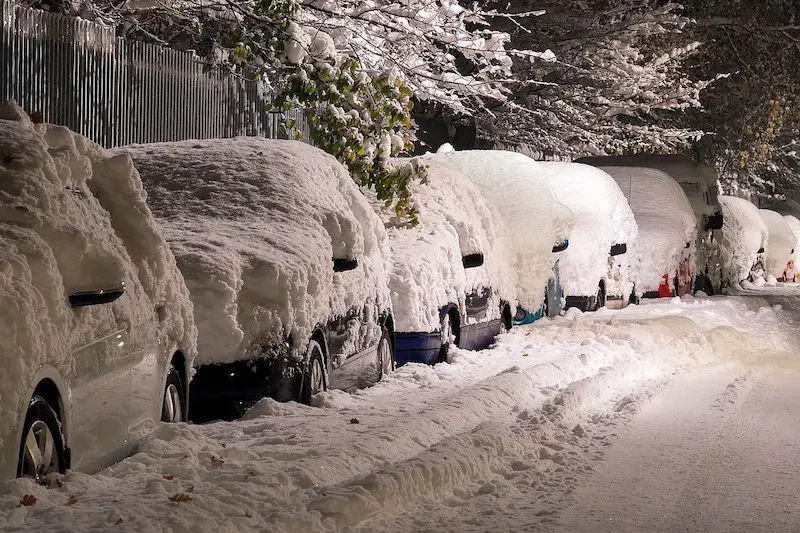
[(443, 448)]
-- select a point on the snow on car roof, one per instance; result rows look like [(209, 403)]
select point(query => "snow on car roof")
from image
[(780, 244), (744, 232), (427, 271), (73, 219), (665, 219), (602, 218), (255, 224), (519, 190)]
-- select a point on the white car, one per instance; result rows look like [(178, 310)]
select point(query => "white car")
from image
[(595, 269), (779, 257), (285, 263), (794, 225), (451, 278), (744, 240), (664, 252), (97, 336), (539, 224)]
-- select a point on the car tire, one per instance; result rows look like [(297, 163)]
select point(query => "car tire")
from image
[(314, 380), (446, 337), (173, 406), (385, 355), (41, 451), (600, 299)]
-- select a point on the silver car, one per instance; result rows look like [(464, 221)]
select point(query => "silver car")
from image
[(96, 330)]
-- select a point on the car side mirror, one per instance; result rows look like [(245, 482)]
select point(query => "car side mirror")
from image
[(472, 260), (96, 297), (618, 249), (560, 247), (760, 251), (714, 221), (344, 265)]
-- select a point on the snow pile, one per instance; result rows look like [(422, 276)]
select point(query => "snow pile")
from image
[(517, 187), (602, 218), (427, 271), (255, 224), (794, 225), (744, 233), (73, 219), (666, 223), (781, 243)]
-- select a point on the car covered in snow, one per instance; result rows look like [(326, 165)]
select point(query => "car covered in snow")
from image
[(664, 250), (285, 264), (539, 224), (451, 276), (97, 336), (779, 256), (744, 240), (595, 270), (700, 183), (794, 225)]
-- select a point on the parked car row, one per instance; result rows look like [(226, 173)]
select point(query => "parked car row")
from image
[(190, 279)]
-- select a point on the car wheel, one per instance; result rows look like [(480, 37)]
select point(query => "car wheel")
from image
[(314, 377), (446, 337), (546, 305), (41, 451), (600, 299), (386, 362), (173, 408)]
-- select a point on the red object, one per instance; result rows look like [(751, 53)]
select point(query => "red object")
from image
[(664, 290)]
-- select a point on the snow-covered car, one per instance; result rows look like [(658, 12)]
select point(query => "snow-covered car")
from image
[(664, 250), (779, 256), (285, 264), (539, 224), (451, 276), (596, 269), (97, 336), (794, 225), (744, 240), (700, 183)]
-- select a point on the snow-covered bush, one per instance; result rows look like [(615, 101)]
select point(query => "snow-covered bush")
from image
[(517, 187), (603, 219), (666, 224), (73, 218), (255, 224), (427, 272), (780, 245), (744, 233)]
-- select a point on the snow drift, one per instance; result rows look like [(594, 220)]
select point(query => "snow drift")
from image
[(254, 224), (666, 224), (519, 190), (744, 233), (427, 272), (603, 218), (781, 243), (73, 218)]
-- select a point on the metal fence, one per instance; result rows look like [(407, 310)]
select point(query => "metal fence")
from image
[(115, 91)]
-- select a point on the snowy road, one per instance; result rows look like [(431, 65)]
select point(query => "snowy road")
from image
[(669, 416)]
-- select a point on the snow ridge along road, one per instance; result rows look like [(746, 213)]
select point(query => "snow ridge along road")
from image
[(499, 439)]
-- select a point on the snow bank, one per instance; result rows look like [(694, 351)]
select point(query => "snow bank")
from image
[(519, 190), (794, 225), (254, 224), (781, 243), (426, 261), (666, 223), (744, 233), (73, 218), (602, 218)]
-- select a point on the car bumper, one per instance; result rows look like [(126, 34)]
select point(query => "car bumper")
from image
[(415, 347)]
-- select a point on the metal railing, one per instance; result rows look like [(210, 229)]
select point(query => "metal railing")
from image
[(115, 91)]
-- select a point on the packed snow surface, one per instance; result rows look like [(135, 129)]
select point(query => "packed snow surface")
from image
[(780, 245), (665, 220), (255, 225), (497, 439), (426, 271), (516, 185), (744, 233), (73, 218), (603, 218)]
